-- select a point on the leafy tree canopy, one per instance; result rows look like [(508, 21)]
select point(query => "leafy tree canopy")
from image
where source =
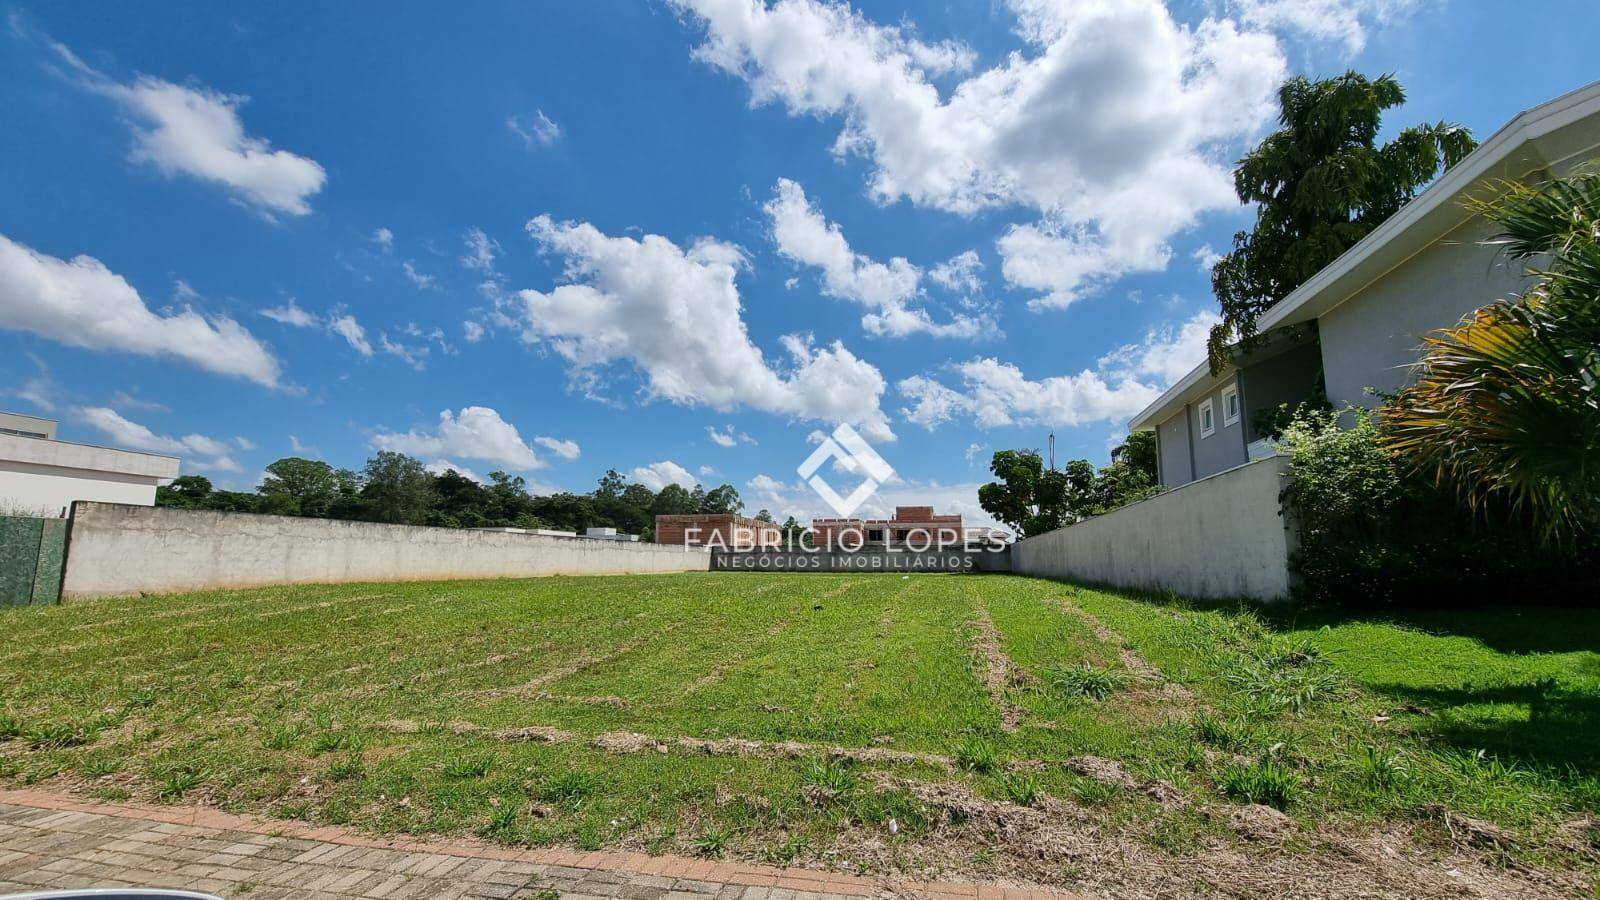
[(1033, 500), (303, 487), (1320, 183), (394, 487)]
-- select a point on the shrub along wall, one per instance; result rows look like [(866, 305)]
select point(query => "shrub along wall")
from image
[(1374, 532)]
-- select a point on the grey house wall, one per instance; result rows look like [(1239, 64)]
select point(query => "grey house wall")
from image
[(1371, 339), (1221, 536), (1225, 448), (1174, 460), (1183, 455), (118, 550), (1288, 378)]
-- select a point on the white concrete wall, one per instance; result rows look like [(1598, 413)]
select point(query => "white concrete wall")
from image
[(1220, 536), (120, 550), (50, 490)]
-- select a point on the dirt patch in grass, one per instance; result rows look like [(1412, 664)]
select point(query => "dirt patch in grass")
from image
[(1055, 842), (534, 687), (994, 668), (1132, 659), (582, 700)]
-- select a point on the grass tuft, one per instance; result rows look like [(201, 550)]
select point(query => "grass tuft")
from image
[(825, 781), (58, 735), (979, 753), (347, 769), (1266, 781), (1021, 788), (329, 741), (1383, 770), (570, 787), (713, 842), (100, 765), (469, 766), (1085, 681), (179, 780)]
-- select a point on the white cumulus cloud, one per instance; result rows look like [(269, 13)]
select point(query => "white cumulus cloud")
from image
[(674, 315), (82, 303), (1341, 21), (347, 327), (476, 432), (1109, 122), (994, 394), (290, 314), (658, 475), (196, 131), (802, 234), (481, 251), (207, 453), (728, 438), (537, 130), (562, 448), (441, 466)]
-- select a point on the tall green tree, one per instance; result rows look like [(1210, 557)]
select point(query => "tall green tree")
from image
[(461, 502), (674, 500), (1320, 183), (610, 485), (794, 534), (1033, 500), (723, 498), (185, 492), (1506, 406), (1138, 453), (1025, 496), (298, 487), (398, 489)]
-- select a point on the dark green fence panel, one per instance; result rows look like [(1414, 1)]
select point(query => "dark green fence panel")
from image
[(52, 556), (31, 554)]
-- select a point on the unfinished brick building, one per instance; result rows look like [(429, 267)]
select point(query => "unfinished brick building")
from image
[(718, 531), (917, 527)]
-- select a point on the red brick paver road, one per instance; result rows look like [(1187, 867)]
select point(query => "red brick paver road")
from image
[(52, 841)]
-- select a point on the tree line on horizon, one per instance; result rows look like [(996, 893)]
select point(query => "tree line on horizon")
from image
[(398, 489)]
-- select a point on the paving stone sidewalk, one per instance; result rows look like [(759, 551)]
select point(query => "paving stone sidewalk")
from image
[(49, 841)]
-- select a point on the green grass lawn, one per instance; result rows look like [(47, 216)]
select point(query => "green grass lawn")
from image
[(984, 725)]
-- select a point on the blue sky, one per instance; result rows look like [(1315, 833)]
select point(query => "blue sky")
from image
[(673, 238)]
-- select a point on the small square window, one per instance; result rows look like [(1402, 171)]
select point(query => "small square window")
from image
[(1230, 405), (1208, 419)]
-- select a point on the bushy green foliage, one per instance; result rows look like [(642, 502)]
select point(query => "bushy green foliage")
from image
[(1033, 499), (396, 488), (1265, 781), (1373, 531), (1320, 183), (1086, 680), (1505, 408)]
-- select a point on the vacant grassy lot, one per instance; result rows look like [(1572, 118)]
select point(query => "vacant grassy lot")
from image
[(988, 725)]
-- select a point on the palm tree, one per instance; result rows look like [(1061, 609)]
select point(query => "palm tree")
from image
[(1506, 405)]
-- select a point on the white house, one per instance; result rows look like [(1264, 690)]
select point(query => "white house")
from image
[(40, 475), (1356, 325), (1354, 328)]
